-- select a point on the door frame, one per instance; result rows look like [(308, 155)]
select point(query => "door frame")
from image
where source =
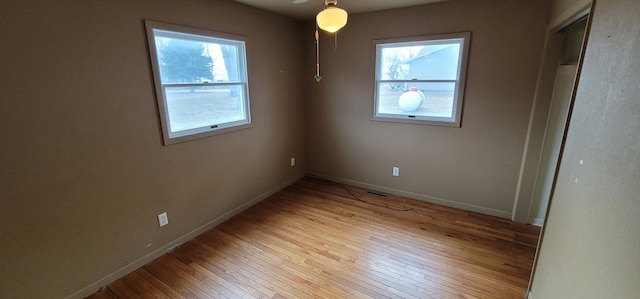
[(581, 10), (541, 104)]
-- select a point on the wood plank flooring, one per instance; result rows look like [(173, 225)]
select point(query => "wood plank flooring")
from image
[(318, 239)]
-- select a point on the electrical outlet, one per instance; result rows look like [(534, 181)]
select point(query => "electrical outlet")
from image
[(163, 219), (293, 161), (396, 171)]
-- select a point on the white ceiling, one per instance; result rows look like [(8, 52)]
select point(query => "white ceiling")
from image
[(308, 9)]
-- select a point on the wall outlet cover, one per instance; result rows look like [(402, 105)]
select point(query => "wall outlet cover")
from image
[(163, 219)]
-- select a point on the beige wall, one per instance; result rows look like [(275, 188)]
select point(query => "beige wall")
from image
[(560, 7), (473, 167), (563, 12), (590, 247), (84, 172)]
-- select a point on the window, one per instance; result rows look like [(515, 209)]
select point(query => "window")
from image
[(201, 81), (421, 79)]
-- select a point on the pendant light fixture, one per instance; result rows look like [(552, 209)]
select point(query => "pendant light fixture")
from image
[(332, 18)]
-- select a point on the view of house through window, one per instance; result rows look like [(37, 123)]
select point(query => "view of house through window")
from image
[(421, 79), (201, 80)]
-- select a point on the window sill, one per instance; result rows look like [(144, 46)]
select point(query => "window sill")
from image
[(416, 121), (174, 140)]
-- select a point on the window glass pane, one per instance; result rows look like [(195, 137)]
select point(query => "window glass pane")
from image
[(423, 62), (394, 62), (184, 61), (436, 62), (428, 99), (197, 61), (228, 68), (203, 106)]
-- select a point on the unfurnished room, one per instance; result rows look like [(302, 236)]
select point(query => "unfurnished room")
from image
[(320, 149)]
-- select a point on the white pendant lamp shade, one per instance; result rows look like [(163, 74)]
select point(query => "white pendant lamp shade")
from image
[(332, 18)]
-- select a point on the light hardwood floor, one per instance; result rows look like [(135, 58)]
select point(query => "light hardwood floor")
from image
[(316, 240)]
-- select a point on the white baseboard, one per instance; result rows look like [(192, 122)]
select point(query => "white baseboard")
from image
[(536, 221), (427, 198), (93, 287)]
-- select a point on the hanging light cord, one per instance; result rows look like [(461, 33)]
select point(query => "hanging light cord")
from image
[(317, 76)]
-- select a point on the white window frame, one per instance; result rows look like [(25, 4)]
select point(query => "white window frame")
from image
[(464, 39), (154, 29)]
